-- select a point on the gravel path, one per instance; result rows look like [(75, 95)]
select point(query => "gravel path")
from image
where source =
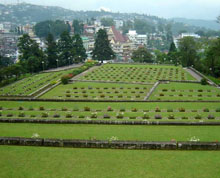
[(195, 75), (63, 68)]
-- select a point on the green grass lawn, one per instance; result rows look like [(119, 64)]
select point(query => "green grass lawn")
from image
[(45, 162), (137, 73), (130, 111), (99, 91), (33, 83), (105, 132), (185, 92)]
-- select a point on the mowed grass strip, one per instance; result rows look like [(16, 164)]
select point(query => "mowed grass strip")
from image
[(96, 111), (106, 132), (137, 73), (99, 91), (45, 162), (185, 92)]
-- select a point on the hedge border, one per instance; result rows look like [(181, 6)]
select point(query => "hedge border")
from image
[(106, 122), (107, 144)]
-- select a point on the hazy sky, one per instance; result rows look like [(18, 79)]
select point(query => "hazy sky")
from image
[(196, 9)]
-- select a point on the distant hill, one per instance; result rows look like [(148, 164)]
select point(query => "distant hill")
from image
[(209, 24), (24, 13)]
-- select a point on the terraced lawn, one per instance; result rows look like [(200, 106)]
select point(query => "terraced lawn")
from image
[(99, 91), (31, 84), (194, 112), (45, 162), (185, 92), (137, 73), (106, 132)]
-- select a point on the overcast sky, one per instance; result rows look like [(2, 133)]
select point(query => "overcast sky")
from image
[(196, 9)]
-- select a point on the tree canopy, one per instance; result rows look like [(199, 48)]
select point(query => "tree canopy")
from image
[(142, 55), (102, 50)]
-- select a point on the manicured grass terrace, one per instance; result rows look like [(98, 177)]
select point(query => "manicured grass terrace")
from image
[(106, 132), (99, 91), (129, 111), (185, 92), (31, 84), (45, 162), (137, 73)]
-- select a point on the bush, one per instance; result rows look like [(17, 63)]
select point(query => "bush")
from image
[(94, 115), (132, 117), (158, 117), (145, 116), (20, 108), (171, 117), (184, 117), (68, 115), (217, 110), (65, 79), (21, 114), (157, 110), (134, 110), (9, 115), (41, 108), (81, 116), (122, 109), (87, 108), (205, 110), (119, 116), (64, 109), (198, 117), (44, 114), (182, 109), (204, 82), (169, 110)]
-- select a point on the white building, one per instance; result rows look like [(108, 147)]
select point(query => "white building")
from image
[(189, 35), (137, 40)]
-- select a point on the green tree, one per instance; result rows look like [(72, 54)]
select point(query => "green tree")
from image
[(107, 22), (161, 57), (51, 51), (28, 49), (102, 50), (43, 29), (80, 51), (213, 58), (143, 27), (188, 51), (78, 27), (5, 61), (142, 55), (65, 49)]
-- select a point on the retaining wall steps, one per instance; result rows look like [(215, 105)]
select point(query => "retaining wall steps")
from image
[(134, 145)]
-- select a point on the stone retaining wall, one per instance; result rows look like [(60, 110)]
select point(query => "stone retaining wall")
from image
[(106, 144), (107, 122)]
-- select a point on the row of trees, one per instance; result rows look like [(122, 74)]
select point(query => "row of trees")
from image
[(66, 51), (56, 28)]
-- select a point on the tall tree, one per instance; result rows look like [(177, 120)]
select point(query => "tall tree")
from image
[(102, 50), (80, 51), (28, 49), (65, 49), (142, 55), (78, 27), (51, 51), (188, 51), (213, 58)]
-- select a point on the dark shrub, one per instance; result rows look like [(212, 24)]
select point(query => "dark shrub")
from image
[(198, 117), (204, 82), (205, 110), (56, 115), (9, 115), (171, 117), (119, 116), (21, 114), (134, 110), (146, 116), (106, 116), (68, 115), (182, 109), (169, 110), (217, 110), (20, 108), (81, 116), (41, 108), (157, 110), (184, 117), (86, 108), (44, 114), (109, 109)]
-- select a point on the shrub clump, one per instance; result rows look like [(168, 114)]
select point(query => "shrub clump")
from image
[(65, 79), (204, 82), (21, 114), (171, 117)]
